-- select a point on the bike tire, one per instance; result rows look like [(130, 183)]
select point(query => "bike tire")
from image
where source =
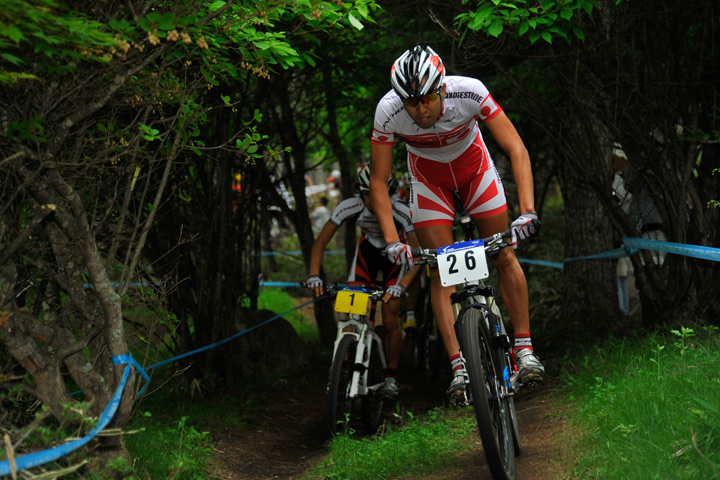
[(420, 333), (432, 349), (511, 400), (338, 412), (515, 428), (373, 404), (485, 369)]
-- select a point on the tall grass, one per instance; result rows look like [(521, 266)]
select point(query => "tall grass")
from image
[(168, 449), (650, 407)]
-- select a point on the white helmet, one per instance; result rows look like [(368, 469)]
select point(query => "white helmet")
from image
[(364, 178), (411, 68)]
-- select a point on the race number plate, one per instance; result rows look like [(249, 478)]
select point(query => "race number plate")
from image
[(462, 262), (349, 301)]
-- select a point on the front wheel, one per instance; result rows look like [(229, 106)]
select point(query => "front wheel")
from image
[(516, 429), (431, 346), (485, 368), (338, 411), (373, 403)]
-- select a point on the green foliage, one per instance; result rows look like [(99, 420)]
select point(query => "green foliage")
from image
[(50, 30), (421, 446), (544, 21), (649, 406), (175, 450), (245, 28)]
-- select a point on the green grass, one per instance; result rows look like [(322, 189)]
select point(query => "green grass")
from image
[(421, 446), (650, 407), (644, 408), (279, 301), (168, 449)]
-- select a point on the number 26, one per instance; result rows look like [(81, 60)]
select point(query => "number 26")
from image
[(470, 262)]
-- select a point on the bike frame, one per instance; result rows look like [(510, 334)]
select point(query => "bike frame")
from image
[(367, 339), (475, 302)]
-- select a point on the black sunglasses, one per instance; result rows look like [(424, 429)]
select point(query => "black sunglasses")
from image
[(425, 99)]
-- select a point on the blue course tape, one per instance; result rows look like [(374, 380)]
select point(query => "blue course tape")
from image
[(226, 340), (541, 262), (616, 253), (695, 251), (631, 247), (298, 252), (39, 458), (280, 284)]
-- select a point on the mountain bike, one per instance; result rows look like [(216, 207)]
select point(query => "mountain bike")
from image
[(358, 363), (485, 346)]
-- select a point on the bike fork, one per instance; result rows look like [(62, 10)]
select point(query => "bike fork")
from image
[(358, 366)]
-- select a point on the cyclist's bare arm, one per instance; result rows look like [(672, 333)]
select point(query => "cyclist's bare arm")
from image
[(380, 170), (505, 134)]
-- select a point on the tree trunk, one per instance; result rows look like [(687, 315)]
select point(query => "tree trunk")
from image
[(589, 290)]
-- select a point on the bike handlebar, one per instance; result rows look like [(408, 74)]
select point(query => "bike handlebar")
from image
[(331, 288), (493, 244)]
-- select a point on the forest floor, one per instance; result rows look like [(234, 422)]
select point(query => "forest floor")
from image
[(288, 437)]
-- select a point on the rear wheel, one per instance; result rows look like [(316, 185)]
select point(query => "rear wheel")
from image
[(486, 367), (431, 347), (338, 413)]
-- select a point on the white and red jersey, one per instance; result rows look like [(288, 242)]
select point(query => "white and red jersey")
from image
[(451, 156), (354, 208), (466, 99)]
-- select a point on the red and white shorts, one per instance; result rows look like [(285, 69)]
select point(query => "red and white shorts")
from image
[(473, 175)]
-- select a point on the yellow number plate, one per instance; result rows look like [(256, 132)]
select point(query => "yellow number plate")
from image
[(348, 301)]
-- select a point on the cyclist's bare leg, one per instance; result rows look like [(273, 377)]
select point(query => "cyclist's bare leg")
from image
[(513, 286), (393, 335), (437, 236), (412, 294)]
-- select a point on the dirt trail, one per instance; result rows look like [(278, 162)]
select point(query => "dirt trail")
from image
[(288, 438)]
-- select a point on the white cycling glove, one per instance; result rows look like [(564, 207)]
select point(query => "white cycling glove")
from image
[(400, 254), (525, 226), (313, 282), (396, 290)]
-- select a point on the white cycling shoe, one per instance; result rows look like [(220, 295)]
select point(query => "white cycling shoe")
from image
[(529, 366), (457, 391)]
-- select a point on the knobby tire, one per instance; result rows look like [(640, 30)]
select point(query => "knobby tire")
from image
[(485, 367), (431, 348), (511, 400), (338, 412), (373, 403), (515, 428)]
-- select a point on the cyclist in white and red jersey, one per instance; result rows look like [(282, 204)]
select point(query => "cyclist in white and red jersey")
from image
[(369, 261), (436, 116)]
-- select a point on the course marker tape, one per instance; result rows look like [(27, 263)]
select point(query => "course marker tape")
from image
[(31, 460)]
